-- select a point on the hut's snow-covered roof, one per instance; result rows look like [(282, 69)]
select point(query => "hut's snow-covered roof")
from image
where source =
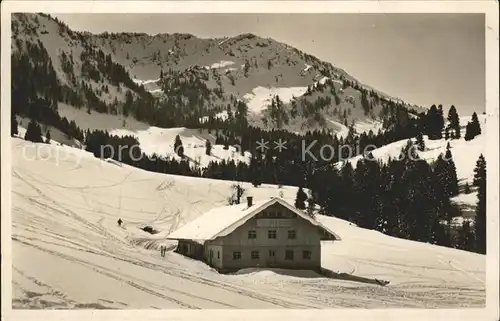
[(223, 220)]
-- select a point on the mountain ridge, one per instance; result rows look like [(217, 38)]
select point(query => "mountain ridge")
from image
[(228, 69)]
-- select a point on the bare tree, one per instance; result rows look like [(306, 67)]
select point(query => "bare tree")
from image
[(237, 192)]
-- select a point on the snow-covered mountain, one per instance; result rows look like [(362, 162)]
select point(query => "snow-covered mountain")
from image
[(65, 204), (96, 72), (66, 201), (200, 76)]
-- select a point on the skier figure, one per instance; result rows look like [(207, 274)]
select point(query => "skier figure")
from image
[(120, 222), (162, 250)]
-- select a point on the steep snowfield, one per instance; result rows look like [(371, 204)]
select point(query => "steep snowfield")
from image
[(221, 64), (340, 129), (366, 125), (146, 82), (68, 251), (261, 97), (359, 127), (161, 141)]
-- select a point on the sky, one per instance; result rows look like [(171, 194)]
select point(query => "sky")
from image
[(424, 59)]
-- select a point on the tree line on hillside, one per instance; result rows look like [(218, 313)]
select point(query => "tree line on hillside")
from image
[(188, 99), (33, 132), (478, 238), (473, 128), (315, 107), (189, 103), (406, 197), (433, 124), (36, 91), (415, 193), (126, 149)]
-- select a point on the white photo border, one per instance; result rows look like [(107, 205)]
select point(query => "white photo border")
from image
[(489, 8)]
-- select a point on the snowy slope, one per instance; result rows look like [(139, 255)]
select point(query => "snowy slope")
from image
[(244, 66), (341, 129), (465, 153), (65, 204), (150, 85), (465, 200), (366, 125), (161, 141), (261, 97), (155, 139)]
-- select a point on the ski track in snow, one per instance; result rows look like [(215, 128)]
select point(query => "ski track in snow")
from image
[(64, 218)]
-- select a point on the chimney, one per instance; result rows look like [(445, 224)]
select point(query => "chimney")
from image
[(249, 201)]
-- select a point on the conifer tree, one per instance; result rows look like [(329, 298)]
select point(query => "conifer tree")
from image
[(434, 122), (440, 120), (13, 124), (47, 137), (310, 207), (420, 142), (178, 147), (452, 182), (442, 187), (476, 126), (429, 121), (33, 132), (420, 212), (454, 122), (300, 199), (256, 171), (346, 193), (218, 139), (465, 240), (468, 132), (336, 97), (473, 128), (409, 153), (480, 221), (467, 188), (208, 147)]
